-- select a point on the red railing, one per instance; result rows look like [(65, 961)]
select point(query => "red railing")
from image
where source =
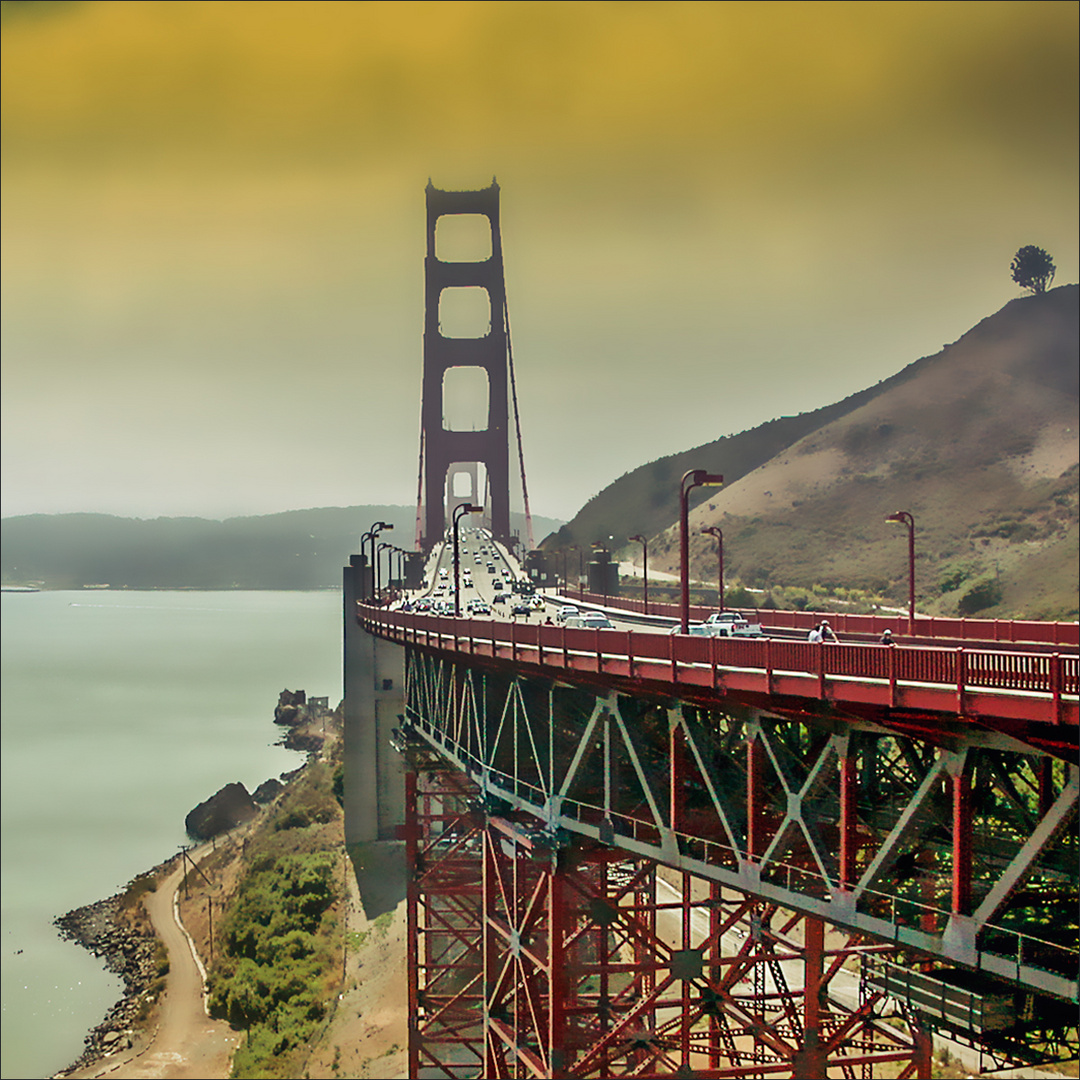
[(930, 626), (984, 684)]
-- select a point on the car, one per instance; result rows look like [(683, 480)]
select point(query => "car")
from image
[(565, 612), (732, 624), (500, 598), (496, 584), (591, 620), (521, 609), (536, 603), (694, 630)]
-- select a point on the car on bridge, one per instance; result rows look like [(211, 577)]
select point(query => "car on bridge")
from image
[(695, 630), (732, 624), (591, 620)]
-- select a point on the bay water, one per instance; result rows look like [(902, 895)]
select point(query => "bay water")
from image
[(120, 712)]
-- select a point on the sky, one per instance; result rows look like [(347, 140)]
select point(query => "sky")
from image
[(713, 214)]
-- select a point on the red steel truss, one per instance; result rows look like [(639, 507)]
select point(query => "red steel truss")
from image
[(531, 956)]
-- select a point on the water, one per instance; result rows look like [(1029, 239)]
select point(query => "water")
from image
[(120, 712)]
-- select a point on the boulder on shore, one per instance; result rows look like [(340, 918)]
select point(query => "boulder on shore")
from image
[(268, 791), (291, 707), (229, 807)]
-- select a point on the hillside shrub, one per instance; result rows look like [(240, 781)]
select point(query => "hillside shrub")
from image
[(739, 597), (986, 594)]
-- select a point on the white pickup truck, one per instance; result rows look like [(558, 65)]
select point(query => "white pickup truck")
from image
[(732, 624)]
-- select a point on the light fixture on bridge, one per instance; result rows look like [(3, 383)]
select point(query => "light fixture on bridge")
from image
[(691, 479), (713, 530), (459, 513), (378, 527), (644, 566), (905, 517)]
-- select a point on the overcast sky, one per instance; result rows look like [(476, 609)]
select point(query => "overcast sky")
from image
[(713, 215)]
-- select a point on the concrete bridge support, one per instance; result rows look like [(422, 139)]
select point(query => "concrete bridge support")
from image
[(374, 682)]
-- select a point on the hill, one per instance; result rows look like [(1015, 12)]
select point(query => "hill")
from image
[(979, 442), (299, 549)]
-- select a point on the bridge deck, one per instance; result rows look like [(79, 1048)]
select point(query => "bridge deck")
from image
[(1029, 697)]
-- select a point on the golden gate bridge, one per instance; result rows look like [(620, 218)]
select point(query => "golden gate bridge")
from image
[(637, 853)]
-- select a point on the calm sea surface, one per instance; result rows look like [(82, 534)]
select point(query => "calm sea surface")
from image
[(120, 712)]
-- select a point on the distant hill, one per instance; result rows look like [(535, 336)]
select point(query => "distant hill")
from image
[(979, 442), (646, 500), (300, 549)]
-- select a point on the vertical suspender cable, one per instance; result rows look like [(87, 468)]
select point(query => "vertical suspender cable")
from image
[(517, 426)]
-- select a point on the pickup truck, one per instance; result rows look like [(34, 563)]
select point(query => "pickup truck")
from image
[(732, 624)]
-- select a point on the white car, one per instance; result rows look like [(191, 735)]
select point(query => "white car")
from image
[(565, 612), (591, 620)]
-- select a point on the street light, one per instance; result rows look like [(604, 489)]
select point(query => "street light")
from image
[(644, 566), (459, 512), (374, 531), (691, 479), (599, 545), (712, 530), (904, 517), (581, 564), (389, 548)]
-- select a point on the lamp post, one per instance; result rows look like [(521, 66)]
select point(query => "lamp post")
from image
[(364, 537), (644, 566), (565, 583), (459, 512), (581, 560), (386, 546), (374, 531), (904, 517), (691, 479), (713, 530), (599, 545)]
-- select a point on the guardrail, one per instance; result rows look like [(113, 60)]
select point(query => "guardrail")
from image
[(932, 626), (983, 684)]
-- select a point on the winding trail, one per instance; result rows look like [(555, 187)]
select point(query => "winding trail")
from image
[(186, 1042)]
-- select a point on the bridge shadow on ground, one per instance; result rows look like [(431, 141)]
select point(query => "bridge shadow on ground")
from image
[(379, 867)]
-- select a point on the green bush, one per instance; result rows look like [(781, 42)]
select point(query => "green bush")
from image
[(277, 950), (986, 594)]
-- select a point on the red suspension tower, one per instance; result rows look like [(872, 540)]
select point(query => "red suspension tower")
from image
[(444, 451)]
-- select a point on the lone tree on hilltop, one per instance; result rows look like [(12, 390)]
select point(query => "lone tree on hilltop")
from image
[(1032, 268)]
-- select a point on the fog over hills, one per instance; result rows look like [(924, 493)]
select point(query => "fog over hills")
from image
[(979, 442), (299, 549)]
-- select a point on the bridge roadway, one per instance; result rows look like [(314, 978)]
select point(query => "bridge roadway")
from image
[(916, 795)]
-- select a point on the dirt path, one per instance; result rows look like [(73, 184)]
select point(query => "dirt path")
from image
[(185, 1042)]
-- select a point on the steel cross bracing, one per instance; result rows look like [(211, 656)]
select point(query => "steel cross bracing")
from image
[(965, 852), (538, 960)]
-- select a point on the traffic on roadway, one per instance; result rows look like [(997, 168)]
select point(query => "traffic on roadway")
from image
[(493, 586)]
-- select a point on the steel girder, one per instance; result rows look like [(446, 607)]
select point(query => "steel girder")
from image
[(568, 959), (965, 852)]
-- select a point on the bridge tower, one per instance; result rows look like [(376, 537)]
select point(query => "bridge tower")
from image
[(445, 452)]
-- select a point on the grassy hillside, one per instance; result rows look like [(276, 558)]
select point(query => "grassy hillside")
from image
[(646, 500), (979, 442)]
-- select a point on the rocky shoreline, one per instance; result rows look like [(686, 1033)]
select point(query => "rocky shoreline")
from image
[(106, 927), (126, 951)]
